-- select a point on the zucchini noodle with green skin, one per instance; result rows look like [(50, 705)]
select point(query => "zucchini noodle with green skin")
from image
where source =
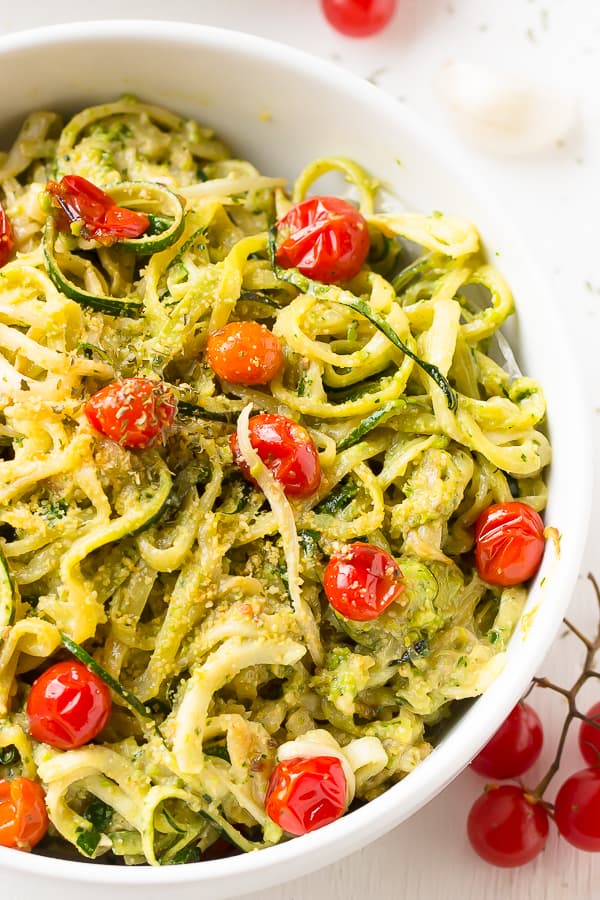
[(196, 594)]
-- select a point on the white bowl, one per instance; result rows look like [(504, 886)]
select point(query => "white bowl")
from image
[(229, 81)]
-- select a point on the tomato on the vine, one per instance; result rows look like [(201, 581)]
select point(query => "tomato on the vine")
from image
[(135, 412), (23, 816), (361, 581), (589, 737), (506, 827), (306, 793), (326, 238), (287, 450), (514, 748), (358, 18), (68, 706), (7, 241), (577, 810), (509, 543), (245, 353), (78, 201)]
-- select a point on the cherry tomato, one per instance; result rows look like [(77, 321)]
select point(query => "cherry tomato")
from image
[(506, 828), (577, 810), (306, 793), (245, 353), (286, 449), (361, 581), (23, 816), (78, 200), (509, 543), (325, 238), (67, 706), (6, 238), (135, 412), (589, 737), (358, 18), (514, 747)]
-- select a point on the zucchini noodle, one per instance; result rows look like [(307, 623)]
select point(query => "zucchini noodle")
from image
[(195, 593)]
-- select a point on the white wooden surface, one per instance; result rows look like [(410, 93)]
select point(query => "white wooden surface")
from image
[(554, 198)]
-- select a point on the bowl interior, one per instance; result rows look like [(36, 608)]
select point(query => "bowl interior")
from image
[(280, 109)]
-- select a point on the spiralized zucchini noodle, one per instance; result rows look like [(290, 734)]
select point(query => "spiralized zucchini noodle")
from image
[(197, 593)]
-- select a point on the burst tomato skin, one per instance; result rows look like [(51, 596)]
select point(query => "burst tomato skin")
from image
[(577, 810), (589, 737), (509, 543), (326, 238), (358, 18), (136, 412), (7, 241), (505, 828), (362, 581), (514, 748), (287, 450), (77, 200), (306, 793), (23, 816), (245, 353), (68, 706)]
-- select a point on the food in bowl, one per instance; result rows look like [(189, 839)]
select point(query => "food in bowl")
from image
[(265, 476)]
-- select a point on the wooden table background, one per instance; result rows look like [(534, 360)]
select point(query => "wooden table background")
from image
[(554, 199)]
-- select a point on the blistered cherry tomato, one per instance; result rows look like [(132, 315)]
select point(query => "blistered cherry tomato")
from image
[(77, 200), (245, 353), (361, 581), (135, 412), (506, 828), (358, 18), (23, 816), (306, 793), (67, 706), (6, 238), (577, 810), (514, 747), (325, 238), (509, 543), (589, 737), (286, 449)]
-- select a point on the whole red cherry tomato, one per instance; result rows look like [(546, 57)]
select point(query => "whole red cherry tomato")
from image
[(306, 793), (358, 18), (135, 412), (78, 200), (509, 543), (361, 581), (23, 816), (286, 449), (325, 238), (67, 706), (506, 828), (245, 353), (589, 737), (577, 810), (6, 238), (514, 747)]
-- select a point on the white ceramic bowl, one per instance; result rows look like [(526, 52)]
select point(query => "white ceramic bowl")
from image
[(230, 80)]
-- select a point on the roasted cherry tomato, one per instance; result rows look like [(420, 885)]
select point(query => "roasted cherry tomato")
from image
[(509, 543), (514, 748), (361, 581), (506, 827), (245, 353), (6, 238), (67, 706), (286, 449), (306, 793), (23, 816), (325, 238), (358, 18), (135, 412), (79, 201)]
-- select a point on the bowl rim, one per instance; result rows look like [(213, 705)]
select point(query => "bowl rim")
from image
[(379, 815)]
